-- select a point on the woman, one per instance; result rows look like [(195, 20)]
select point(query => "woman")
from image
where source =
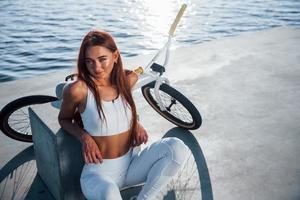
[(102, 95)]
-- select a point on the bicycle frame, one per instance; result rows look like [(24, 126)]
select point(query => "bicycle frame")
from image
[(149, 75)]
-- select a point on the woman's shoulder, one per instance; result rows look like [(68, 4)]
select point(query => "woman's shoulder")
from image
[(75, 91)]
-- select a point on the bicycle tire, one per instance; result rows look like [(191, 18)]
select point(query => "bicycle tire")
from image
[(191, 122), (10, 128), (192, 181)]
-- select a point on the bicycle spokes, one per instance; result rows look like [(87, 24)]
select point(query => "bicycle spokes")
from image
[(19, 121), (174, 107), (185, 184)]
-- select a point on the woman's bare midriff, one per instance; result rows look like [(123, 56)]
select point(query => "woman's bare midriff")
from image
[(113, 146)]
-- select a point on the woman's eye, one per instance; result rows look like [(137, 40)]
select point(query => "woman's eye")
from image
[(88, 62), (102, 59)]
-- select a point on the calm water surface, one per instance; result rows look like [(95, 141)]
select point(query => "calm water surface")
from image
[(38, 37)]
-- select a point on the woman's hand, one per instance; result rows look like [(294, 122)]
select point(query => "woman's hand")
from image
[(141, 136), (90, 150)]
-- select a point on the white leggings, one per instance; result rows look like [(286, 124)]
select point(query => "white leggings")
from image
[(155, 165)]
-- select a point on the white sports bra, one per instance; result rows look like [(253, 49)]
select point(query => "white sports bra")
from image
[(117, 114)]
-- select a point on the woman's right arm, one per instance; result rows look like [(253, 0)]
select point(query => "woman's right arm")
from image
[(72, 96)]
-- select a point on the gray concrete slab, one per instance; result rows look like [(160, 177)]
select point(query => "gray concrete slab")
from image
[(57, 153), (247, 89)]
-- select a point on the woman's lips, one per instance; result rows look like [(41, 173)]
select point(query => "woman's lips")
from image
[(99, 73)]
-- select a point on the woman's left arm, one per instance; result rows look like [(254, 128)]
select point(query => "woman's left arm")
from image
[(132, 78)]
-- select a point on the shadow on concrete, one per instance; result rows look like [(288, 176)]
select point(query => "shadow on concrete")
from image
[(24, 156), (189, 139), (19, 178)]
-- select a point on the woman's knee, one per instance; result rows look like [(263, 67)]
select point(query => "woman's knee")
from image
[(95, 187), (178, 149)]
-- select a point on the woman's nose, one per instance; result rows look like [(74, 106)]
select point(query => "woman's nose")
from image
[(98, 66)]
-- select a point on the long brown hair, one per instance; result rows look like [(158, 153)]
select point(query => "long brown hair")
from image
[(118, 75)]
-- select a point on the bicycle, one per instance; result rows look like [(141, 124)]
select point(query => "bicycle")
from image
[(157, 91)]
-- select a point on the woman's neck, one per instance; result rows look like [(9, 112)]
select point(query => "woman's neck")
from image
[(102, 82)]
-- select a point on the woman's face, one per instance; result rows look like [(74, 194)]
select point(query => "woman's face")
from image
[(100, 61)]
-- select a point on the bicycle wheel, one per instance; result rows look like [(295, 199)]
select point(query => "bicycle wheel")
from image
[(192, 181), (180, 111), (18, 175), (186, 184), (14, 117)]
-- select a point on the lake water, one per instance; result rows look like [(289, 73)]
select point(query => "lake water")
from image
[(38, 37)]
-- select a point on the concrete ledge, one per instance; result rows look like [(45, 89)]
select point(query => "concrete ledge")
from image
[(58, 154)]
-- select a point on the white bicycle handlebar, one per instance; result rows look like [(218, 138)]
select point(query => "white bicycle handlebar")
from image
[(177, 19)]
